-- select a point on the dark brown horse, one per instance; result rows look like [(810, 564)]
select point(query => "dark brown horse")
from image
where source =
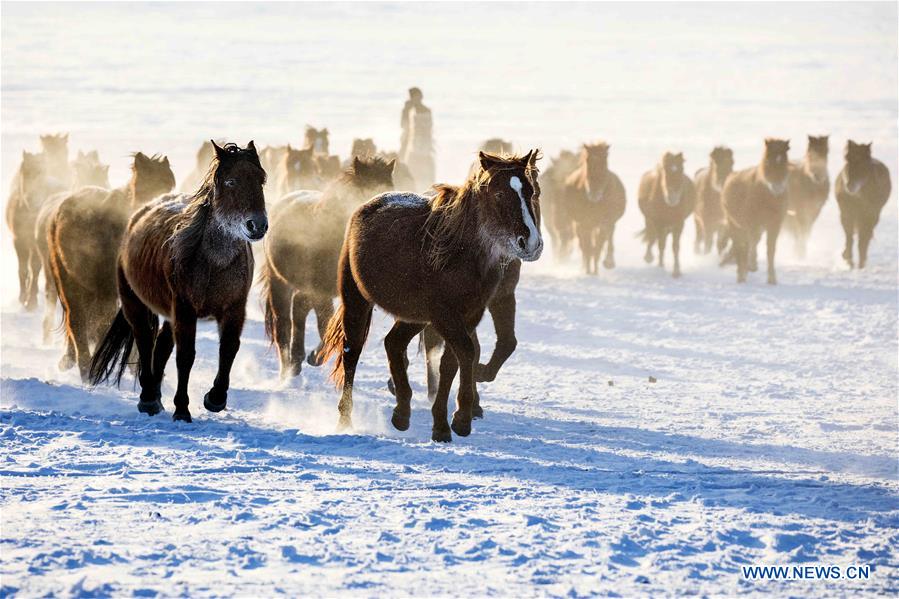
[(809, 187), (297, 170), (862, 188), (435, 262), (666, 198), (83, 235), (557, 212), (755, 201), (301, 254), (595, 199), (708, 215), (88, 171), (184, 258)]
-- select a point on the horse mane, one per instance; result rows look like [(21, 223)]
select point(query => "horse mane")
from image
[(453, 220)]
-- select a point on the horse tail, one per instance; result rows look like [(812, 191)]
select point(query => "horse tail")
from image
[(265, 294), (111, 357), (333, 344)]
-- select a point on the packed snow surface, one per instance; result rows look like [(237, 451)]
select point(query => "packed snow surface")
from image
[(768, 437)]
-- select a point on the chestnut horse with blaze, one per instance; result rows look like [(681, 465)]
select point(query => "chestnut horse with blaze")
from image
[(435, 262), (184, 258)]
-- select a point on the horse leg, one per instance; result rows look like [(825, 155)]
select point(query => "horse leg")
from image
[(440, 430), (755, 236), (865, 233), (324, 310), (162, 350), (278, 321), (50, 297), (675, 248), (395, 343), (433, 343), (848, 223), (771, 239), (34, 272), (185, 332), (299, 310), (583, 237), (740, 248), (609, 262), (502, 311), (230, 327), (64, 289), (662, 237), (22, 254), (700, 235), (142, 321), (649, 237), (356, 319), (462, 344)]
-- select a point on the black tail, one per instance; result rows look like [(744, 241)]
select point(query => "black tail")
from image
[(111, 357)]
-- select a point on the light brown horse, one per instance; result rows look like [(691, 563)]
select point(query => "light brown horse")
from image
[(195, 177), (270, 157), (557, 211), (595, 200), (185, 258), (862, 189), (708, 215), (88, 171), (297, 169), (435, 262), (28, 191), (666, 198), (498, 146), (363, 148), (83, 235), (755, 200), (809, 187), (301, 254)]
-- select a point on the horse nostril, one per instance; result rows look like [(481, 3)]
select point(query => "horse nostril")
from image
[(522, 243), (251, 226)]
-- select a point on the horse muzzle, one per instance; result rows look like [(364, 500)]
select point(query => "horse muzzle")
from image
[(256, 227)]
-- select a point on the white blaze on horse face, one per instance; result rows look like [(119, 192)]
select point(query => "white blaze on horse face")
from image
[(533, 241)]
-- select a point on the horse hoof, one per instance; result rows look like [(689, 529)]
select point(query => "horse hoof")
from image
[(400, 421), (31, 305), (463, 429), (608, 264), (676, 274), (212, 403), (391, 387), (313, 360), (344, 424), (477, 413), (66, 362), (289, 371), (150, 407), (181, 415), (441, 435)]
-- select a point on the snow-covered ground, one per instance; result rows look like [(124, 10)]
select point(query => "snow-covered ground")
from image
[(770, 436)]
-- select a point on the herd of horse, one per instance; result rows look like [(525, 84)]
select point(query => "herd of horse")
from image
[(135, 267)]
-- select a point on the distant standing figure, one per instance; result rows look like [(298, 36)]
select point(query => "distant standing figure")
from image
[(417, 144)]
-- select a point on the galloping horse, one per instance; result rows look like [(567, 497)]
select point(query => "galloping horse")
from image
[(301, 254), (755, 199), (708, 215), (434, 262), (184, 258), (296, 170), (83, 235), (809, 188), (666, 198), (862, 188), (555, 203), (595, 199)]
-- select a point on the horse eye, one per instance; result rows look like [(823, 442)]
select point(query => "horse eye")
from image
[(230, 182)]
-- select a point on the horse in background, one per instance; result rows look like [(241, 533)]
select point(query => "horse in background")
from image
[(666, 198), (84, 231), (27, 193), (317, 140), (862, 189), (297, 170), (184, 258), (434, 262), (595, 199), (809, 187), (755, 200), (195, 177), (555, 203), (708, 215), (55, 154), (498, 146), (301, 254), (363, 148), (88, 171), (270, 157)]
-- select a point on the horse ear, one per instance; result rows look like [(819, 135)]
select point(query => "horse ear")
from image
[(787, 145), (324, 131), (252, 146), (391, 165), (356, 163), (219, 152), (534, 157), (165, 160), (485, 160)]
